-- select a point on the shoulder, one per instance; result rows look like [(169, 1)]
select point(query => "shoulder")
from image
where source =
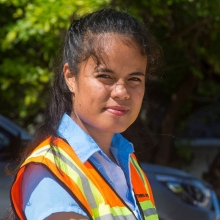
[(43, 194)]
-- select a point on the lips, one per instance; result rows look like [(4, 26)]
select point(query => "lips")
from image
[(117, 110)]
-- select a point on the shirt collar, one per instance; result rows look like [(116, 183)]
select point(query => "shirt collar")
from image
[(121, 146), (83, 144)]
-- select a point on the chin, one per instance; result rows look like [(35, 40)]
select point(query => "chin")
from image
[(115, 129)]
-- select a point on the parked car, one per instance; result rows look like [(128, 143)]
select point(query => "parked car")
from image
[(180, 196), (12, 138)]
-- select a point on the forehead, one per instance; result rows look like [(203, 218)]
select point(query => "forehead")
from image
[(106, 41), (117, 53), (108, 45)]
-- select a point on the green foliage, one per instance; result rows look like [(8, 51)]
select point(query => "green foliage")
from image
[(188, 31), (44, 18)]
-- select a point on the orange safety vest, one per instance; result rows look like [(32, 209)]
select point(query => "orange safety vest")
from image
[(86, 185)]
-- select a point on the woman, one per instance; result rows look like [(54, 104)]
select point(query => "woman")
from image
[(79, 166)]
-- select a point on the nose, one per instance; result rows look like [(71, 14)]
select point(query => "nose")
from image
[(120, 91)]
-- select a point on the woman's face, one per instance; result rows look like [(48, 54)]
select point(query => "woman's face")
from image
[(107, 97)]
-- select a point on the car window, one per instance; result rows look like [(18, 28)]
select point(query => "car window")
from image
[(5, 142), (4, 139)]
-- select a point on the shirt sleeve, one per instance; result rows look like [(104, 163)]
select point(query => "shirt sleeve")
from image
[(43, 195)]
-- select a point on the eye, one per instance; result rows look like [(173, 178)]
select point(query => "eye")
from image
[(135, 79), (104, 76)]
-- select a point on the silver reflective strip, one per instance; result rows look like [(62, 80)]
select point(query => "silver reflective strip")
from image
[(150, 211), (137, 168), (37, 153), (84, 179), (118, 217)]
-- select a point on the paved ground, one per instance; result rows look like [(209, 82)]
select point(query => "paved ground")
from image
[(5, 183)]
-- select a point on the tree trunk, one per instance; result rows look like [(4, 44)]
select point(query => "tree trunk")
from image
[(142, 139), (169, 122)]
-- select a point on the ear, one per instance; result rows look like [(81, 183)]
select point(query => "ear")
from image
[(69, 78)]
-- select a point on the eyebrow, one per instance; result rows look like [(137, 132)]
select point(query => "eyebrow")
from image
[(106, 70)]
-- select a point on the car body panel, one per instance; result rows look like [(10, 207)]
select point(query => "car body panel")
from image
[(169, 205), (13, 128), (13, 139)]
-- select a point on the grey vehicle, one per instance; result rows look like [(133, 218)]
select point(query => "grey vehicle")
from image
[(12, 138), (180, 196)]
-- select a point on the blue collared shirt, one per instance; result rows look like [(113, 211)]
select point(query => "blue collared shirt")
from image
[(38, 181)]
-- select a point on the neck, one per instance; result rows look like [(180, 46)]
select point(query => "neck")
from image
[(102, 138)]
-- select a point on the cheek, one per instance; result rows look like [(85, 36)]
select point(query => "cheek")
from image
[(98, 93), (139, 95), (92, 95)]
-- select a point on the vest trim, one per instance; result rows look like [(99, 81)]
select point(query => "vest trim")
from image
[(112, 189)]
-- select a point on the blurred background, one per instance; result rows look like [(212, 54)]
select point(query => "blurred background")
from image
[(179, 124)]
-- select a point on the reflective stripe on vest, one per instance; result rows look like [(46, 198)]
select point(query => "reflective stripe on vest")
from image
[(148, 206), (87, 186)]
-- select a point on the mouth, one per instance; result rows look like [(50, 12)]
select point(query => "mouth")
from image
[(117, 110)]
